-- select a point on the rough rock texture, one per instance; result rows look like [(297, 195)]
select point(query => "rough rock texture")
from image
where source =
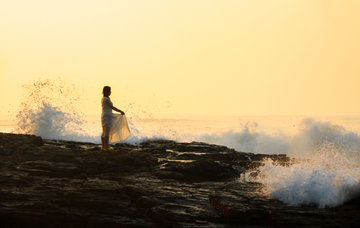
[(45, 183)]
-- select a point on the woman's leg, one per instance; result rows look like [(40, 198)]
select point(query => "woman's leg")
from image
[(106, 142), (105, 137)]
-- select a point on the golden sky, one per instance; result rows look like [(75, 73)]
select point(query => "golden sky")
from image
[(241, 57)]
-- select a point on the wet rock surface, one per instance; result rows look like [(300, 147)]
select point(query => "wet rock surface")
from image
[(46, 183)]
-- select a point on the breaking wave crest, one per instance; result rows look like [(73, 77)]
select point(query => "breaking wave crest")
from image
[(327, 171), (311, 136), (51, 109), (329, 179)]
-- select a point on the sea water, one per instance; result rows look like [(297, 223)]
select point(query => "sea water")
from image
[(327, 174)]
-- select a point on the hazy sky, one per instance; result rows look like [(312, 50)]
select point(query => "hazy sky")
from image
[(242, 57)]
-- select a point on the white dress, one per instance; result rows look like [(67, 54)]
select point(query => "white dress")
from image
[(119, 129)]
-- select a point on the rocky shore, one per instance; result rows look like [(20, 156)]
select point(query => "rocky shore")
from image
[(46, 183)]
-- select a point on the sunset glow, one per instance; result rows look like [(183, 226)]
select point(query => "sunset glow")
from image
[(251, 57)]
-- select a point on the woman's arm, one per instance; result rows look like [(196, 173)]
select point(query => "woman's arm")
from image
[(114, 108)]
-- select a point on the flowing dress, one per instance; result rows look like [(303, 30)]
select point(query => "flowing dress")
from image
[(119, 129)]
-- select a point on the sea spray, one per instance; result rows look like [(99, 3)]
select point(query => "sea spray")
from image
[(311, 135), (327, 171), (51, 109), (330, 178), (248, 139), (314, 135)]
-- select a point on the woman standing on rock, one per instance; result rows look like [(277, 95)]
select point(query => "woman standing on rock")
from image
[(114, 125)]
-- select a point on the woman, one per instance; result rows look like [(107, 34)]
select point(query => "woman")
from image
[(114, 125)]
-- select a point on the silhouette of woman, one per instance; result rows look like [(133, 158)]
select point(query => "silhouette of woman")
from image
[(114, 125)]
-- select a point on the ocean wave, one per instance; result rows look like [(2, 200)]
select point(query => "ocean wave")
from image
[(312, 135), (327, 173), (329, 179), (329, 176)]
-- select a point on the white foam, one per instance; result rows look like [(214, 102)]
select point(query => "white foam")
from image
[(328, 174), (50, 109), (329, 179), (248, 139), (311, 135)]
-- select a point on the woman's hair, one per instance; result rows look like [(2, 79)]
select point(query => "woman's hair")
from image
[(106, 91)]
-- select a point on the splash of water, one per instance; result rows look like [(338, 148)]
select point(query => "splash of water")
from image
[(329, 179), (248, 139), (311, 136), (329, 176), (315, 135), (328, 173), (51, 109)]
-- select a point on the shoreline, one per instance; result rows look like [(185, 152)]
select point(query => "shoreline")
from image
[(159, 183)]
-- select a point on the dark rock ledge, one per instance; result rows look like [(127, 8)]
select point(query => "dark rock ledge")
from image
[(45, 183)]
